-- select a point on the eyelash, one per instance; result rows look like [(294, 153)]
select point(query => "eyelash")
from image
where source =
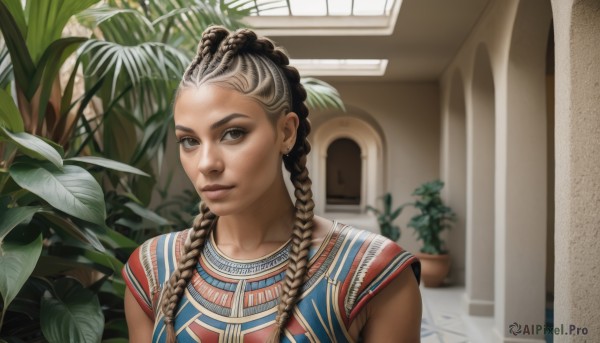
[(183, 140)]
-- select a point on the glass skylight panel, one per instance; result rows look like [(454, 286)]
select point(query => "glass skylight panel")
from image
[(268, 7), (340, 7), (370, 7), (340, 67), (308, 7), (324, 7)]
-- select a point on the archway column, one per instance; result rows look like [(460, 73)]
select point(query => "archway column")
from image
[(577, 132), (521, 174), (453, 172), (479, 262)]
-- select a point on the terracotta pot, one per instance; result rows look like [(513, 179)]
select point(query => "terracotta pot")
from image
[(434, 269)]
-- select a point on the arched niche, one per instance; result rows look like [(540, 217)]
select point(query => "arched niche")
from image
[(371, 159)]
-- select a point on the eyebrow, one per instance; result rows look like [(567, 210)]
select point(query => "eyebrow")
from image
[(216, 124)]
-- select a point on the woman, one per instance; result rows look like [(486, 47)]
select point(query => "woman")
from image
[(256, 267)]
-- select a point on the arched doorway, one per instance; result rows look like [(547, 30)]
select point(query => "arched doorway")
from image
[(367, 149), (343, 181)]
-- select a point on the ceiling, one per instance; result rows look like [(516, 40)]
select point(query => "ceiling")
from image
[(427, 35)]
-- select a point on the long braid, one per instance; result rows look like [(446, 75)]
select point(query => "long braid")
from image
[(255, 67), (295, 163), (180, 277)]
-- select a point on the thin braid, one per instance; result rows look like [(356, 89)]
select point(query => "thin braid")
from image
[(191, 251), (235, 43), (295, 163), (301, 242), (209, 43)]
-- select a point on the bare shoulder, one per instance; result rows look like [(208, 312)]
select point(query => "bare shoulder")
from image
[(395, 312)]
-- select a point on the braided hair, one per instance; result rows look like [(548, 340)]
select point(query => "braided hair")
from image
[(255, 67)]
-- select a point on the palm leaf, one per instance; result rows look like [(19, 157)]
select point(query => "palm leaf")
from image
[(6, 67), (321, 95), (150, 60)]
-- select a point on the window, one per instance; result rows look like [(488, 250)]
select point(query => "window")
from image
[(324, 17)]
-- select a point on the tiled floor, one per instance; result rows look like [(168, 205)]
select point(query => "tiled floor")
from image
[(445, 319)]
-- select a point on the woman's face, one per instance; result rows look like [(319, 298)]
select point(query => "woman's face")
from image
[(228, 147)]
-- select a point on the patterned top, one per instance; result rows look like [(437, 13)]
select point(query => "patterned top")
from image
[(236, 301)]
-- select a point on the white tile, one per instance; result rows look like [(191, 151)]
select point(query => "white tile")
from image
[(445, 319)]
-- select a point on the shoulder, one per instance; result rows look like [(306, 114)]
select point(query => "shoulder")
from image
[(159, 249), (153, 261), (373, 262)]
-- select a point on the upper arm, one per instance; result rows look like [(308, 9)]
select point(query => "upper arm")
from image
[(394, 315), (139, 324)]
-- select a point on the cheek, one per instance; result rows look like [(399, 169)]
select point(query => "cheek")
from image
[(260, 158), (187, 164)]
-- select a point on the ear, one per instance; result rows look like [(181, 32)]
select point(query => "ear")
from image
[(288, 127)]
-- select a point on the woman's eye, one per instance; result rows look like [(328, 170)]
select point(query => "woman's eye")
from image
[(187, 142), (233, 134)]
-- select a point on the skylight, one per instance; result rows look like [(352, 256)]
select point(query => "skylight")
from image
[(324, 17), (323, 7), (339, 67)]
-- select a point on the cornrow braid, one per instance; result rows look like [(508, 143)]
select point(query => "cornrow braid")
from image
[(178, 282), (208, 45)]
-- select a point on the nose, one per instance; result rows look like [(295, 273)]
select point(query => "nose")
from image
[(210, 161)]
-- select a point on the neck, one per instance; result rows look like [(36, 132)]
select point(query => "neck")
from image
[(260, 229)]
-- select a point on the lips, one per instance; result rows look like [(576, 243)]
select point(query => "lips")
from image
[(215, 192)]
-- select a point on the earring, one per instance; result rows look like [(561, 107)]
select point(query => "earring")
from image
[(287, 151)]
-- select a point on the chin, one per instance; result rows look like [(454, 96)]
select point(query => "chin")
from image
[(221, 208)]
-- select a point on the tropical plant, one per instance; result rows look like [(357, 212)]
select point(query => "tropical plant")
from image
[(434, 217), (386, 217), (75, 183)]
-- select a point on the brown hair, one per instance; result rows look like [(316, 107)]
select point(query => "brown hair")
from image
[(255, 67)]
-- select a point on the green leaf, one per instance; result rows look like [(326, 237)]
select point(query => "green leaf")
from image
[(110, 164), (16, 264), (47, 19), (10, 117), (16, 10), (65, 226), (72, 190), (11, 217), (48, 67), (146, 213), (15, 42), (116, 240), (33, 146), (6, 67), (73, 314)]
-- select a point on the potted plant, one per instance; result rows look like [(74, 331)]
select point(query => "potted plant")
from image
[(386, 217), (434, 217)]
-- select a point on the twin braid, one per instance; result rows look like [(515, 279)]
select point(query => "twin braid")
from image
[(179, 279), (215, 52)]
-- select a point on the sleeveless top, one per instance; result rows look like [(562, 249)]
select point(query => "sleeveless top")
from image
[(230, 300)]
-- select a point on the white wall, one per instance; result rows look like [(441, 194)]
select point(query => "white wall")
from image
[(406, 115)]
